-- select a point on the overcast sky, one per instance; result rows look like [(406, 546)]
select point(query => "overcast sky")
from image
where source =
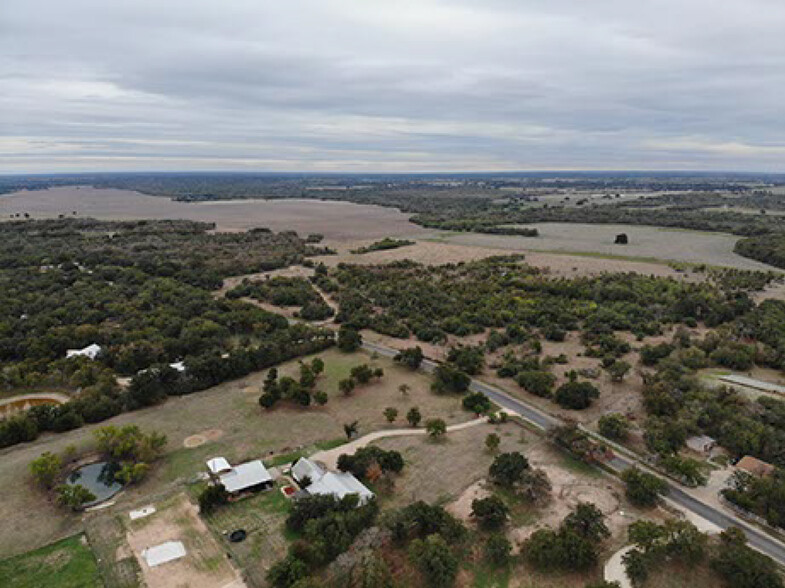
[(391, 85)]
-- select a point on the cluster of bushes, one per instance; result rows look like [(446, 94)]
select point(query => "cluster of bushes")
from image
[(284, 291), (514, 300), (573, 546), (301, 392), (759, 495), (359, 375), (326, 527), (431, 536), (513, 472), (371, 462), (680, 541), (129, 451), (382, 245)]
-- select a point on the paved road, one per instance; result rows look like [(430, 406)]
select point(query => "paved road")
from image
[(757, 538)]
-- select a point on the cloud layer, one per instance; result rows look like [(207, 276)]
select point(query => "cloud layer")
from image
[(391, 85)]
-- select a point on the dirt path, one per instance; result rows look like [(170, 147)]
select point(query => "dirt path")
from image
[(329, 457), (614, 569)]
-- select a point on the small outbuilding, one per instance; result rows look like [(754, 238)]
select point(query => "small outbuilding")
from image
[(701, 443), (91, 351), (251, 476)]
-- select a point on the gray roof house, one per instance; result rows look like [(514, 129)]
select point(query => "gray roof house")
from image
[(338, 484), (251, 476)]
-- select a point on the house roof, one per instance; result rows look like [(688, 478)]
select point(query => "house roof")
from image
[(339, 485), (245, 476), (304, 467), (755, 466), (90, 351), (218, 465), (700, 441), (178, 365)]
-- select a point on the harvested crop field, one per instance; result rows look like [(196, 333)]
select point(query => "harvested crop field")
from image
[(335, 220), (645, 243)]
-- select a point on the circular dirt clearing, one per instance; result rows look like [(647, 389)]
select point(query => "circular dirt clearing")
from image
[(194, 441)]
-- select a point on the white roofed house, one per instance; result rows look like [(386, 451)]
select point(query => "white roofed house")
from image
[(92, 351), (323, 482), (701, 443), (246, 477)]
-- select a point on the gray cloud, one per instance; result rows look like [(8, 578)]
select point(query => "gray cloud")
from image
[(366, 85)]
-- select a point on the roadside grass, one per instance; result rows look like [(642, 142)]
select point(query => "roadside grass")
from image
[(69, 563)]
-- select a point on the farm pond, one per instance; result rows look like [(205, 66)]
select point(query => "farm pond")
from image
[(98, 478)]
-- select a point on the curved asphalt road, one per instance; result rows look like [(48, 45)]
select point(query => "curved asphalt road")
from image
[(757, 538)]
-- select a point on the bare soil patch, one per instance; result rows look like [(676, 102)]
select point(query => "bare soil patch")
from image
[(204, 565), (335, 220)]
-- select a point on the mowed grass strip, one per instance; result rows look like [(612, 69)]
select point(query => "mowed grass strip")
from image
[(66, 564)]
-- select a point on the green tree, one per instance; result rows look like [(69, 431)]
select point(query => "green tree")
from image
[(508, 469), (287, 572), (411, 357), (576, 395), (349, 340), (536, 382), (618, 369), (414, 417), (477, 403), (587, 521), (346, 386), (492, 442), (213, 496), (614, 426), (390, 413), (320, 397), (436, 428), (643, 488), (404, 389), (498, 549), (74, 496), (45, 469), (350, 429), (435, 561), (490, 512)]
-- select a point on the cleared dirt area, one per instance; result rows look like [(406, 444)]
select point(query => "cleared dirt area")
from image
[(647, 243), (335, 220), (204, 565), (30, 520), (435, 252)]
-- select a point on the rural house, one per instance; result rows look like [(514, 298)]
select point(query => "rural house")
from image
[(315, 480), (92, 351), (701, 443)]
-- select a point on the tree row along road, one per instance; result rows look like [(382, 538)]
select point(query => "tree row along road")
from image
[(757, 538)]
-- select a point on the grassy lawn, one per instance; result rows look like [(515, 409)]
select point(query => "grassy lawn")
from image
[(677, 576), (441, 471), (66, 564), (262, 516), (244, 431)]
